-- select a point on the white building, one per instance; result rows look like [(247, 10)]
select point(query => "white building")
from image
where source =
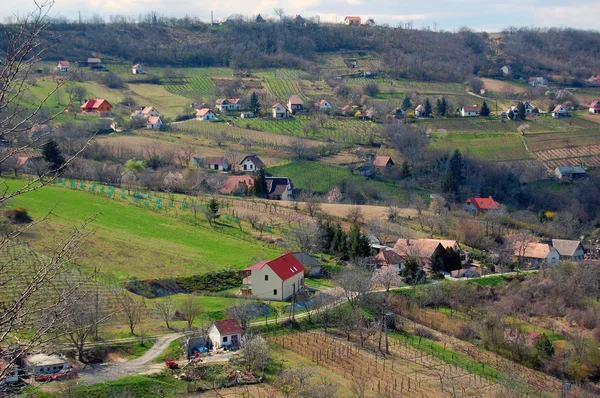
[(279, 111), (154, 123), (537, 254), (570, 250), (323, 105), (225, 333), (252, 163), (41, 364), (470, 110), (559, 112), (63, 66), (276, 279), (206, 114), (228, 104), (137, 69)]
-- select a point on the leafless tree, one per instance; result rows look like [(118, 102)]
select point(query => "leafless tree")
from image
[(244, 313), (519, 243), (312, 206), (298, 147), (354, 215), (255, 351), (387, 277), (234, 157), (294, 381), (418, 203), (129, 308), (164, 309), (355, 283), (304, 236), (220, 138), (185, 154), (191, 309), (476, 85)]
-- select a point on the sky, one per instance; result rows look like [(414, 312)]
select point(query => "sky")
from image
[(479, 15)]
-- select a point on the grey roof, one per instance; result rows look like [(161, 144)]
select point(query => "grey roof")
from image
[(277, 185), (566, 247), (306, 259), (571, 170)]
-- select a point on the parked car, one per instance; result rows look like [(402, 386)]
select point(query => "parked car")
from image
[(65, 375), (43, 378)]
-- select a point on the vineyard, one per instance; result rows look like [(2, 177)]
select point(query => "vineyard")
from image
[(569, 156), (406, 371), (283, 88), (192, 87)]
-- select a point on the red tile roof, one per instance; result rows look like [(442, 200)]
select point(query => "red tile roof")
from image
[(353, 18), (383, 161), (595, 104), (63, 63), (94, 103), (232, 183), (295, 100), (484, 203), (203, 111), (284, 266), (153, 120), (228, 326), (474, 108)]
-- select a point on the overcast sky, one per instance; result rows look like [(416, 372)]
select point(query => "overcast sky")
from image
[(488, 15)]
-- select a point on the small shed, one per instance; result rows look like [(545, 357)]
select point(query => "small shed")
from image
[(42, 364), (569, 172), (225, 333)]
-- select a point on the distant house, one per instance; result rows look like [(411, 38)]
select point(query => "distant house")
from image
[(42, 364), (198, 161), (219, 163), (420, 111), (423, 250), (99, 105), (137, 69), (279, 188), (482, 205), (529, 109), (229, 104), (470, 110), (28, 164), (323, 105), (570, 250), (247, 115), (569, 172), (595, 107), (537, 81), (206, 114), (364, 170), (237, 185), (276, 279), (63, 66), (363, 116), (389, 258), (252, 163), (536, 254), (559, 112), (225, 333), (506, 70), (383, 163), (399, 113), (94, 61), (311, 265), (279, 111), (295, 104), (149, 111), (352, 21), (154, 123), (370, 22)]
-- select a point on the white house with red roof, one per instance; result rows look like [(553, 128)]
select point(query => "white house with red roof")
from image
[(559, 112), (137, 69), (482, 205), (323, 105), (352, 21), (206, 114), (595, 107), (225, 333), (229, 104), (295, 104), (276, 279), (154, 123), (252, 163), (63, 66), (279, 111), (470, 110)]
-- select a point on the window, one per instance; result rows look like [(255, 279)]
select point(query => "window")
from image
[(224, 339), (266, 277), (274, 292)]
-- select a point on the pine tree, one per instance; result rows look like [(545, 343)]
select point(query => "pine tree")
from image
[(437, 262), (254, 103), (427, 107), (212, 210), (52, 155), (457, 166), (406, 103), (413, 273), (339, 245), (521, 111), (485, 110), (405, 170), (544, 346), (358, 243), (259, 19), (510, 115), (438, 107), (444, 109), (260, 184)]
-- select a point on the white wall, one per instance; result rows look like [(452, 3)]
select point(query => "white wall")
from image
[(288, 285), (264, 289)]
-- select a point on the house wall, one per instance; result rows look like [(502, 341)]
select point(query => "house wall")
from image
[(50, 369), (248, 165), (264, 289), (214, 336), (288, 285), (287, 195), (579, 255), (154, 126)]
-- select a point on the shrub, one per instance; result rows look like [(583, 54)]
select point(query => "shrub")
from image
[(18, 215), (596, 334), (425, 333), (465, 332)]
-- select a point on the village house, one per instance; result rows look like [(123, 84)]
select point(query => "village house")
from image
[(559, 112), (383, 164), (570, 250), (247, 115), (423, 250), (311, 265), (237, 185), (276, 279), (595, 107), (206, 114), (137, 69), (63, 66), (352, 21), (218, 163), (323, 105), (154, 123), (97, 106), (225, 333), (279, 188), (399, 113), (279, 111), (228, 104), (144, 113), (536, 254), (470, 110), (506, 70), (569, 172), (537, 81), (420, 111), (29, 164), (482, 205), (388, 258), (529, 109), (370, 22), (295, 104), (42, 364), (252, 163)]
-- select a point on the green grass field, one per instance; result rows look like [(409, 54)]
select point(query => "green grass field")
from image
[(490, 146), (131, 240)]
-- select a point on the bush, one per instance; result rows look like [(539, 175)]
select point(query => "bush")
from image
[(465, 332), (425, 333), (596, 334), (18, 215)]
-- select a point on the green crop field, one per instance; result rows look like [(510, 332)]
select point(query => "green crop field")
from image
[(193, 87), (489, 146), (283, 88), (132, 239)]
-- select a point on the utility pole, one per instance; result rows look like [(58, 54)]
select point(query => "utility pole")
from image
[(294, 301)]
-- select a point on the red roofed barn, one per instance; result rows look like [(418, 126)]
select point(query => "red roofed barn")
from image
[(482, 205), (99, 105), (276, 279), (227, 332)]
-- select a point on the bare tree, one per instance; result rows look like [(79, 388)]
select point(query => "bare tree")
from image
[(312, 206), (234, 157), (244, 313), (304, 236), (129, 309), (279, 12), (298, 147), (294, 382), (355, 283), (354, 215), (476, 85), (164, 309), (191, 309), (255, 352), (417, 202), (386, 277), (185, 155)]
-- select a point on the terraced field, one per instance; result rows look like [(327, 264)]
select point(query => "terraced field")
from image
[(192, 87), (283, 88)]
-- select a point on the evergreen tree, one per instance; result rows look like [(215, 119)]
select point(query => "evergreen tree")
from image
[(437, 262), (406, 103), (339, 245), (358, 243), (444, 105), (427, 107), (259, 19), (213, 206), (454, 174), (544, 346), (405, 170), (260, 184), (254, 103), (51, 154), (438, 107), (413, 273), (521, 111), (485, 110), (510, 115)]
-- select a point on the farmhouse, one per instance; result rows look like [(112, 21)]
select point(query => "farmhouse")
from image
[(323, 105), (219, 163), (225, 333), (206, 114), (595, 107), (154, 123), (420, 111), (295, 104), (570, 250), (537, 81), (482, 205), (252, 163), (536, 254), (470, 110), (99, 106), (529, 109), (279, 188), (276, 279), (383, 164), (559, 112), (569, 172), (40, 364), (352, 21), (423, 250), (388, 258), (237, 185), (137, 69), (279, 111), (63, 66), (228, 104), (150, 111), (29, 164), (506, 70)]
